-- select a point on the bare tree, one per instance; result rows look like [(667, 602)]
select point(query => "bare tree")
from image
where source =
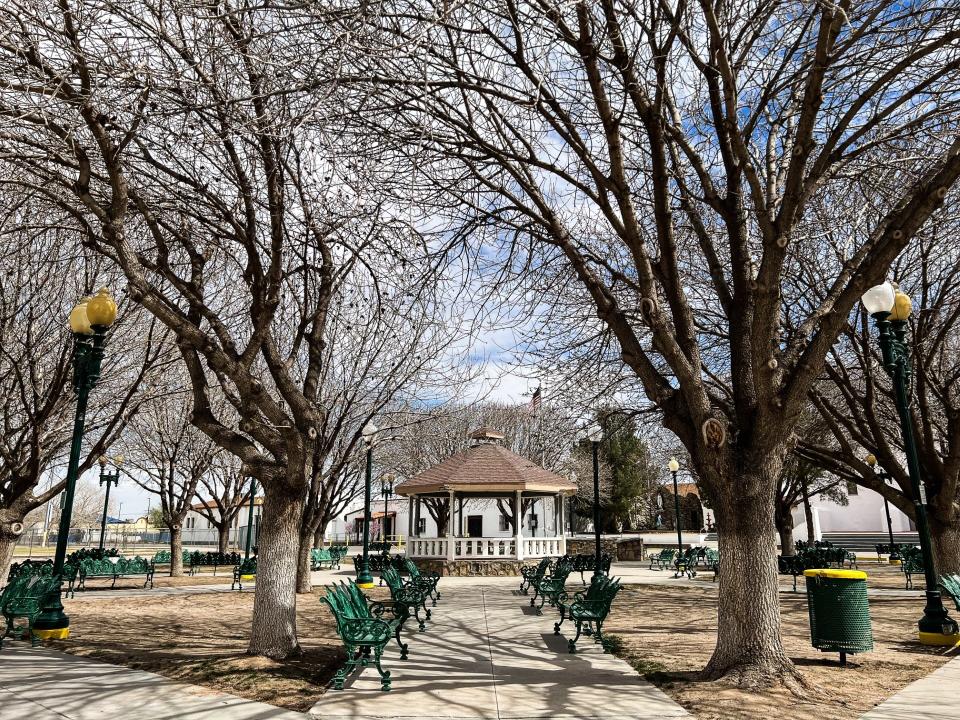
[(856, 402), (168, 457), (40, 280), (222, 494), (663, 159), (204, 159)]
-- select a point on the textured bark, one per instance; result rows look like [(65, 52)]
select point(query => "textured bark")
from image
[(784, 521), (318, 536), (749, 650), (274, 631), (304, 585), (946, 547), (176, 551), (7, 543), (223, 538)]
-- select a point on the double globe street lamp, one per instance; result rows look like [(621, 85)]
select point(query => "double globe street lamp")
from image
[(890, 308), (364, 578), (89, 322), (674, 468), (110, 478), (386, 489), (595, 435)]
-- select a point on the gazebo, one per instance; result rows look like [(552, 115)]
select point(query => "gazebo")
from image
[(485, 476)]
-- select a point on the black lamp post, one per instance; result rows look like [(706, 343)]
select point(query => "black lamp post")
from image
[(674, 466), (253, 495), (89, 322), (595, 435), (110, 478), (890, 309), (364, 578), (885, 477), (386, 489)]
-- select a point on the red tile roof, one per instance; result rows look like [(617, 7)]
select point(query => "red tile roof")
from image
[(486, 467)]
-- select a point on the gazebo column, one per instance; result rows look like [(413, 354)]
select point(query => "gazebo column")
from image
[(451, 555), (411, 502), (518, 522), (561, 524)]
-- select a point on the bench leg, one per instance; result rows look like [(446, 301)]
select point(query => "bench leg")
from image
[(563, 616), (403, 645), (572, 644), (384, 674)]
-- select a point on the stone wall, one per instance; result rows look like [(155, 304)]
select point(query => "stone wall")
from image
[(630, 550), (473, 568), (582, 546)]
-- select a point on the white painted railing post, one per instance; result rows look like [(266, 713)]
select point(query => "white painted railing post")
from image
[(518, 519), (451, 550)]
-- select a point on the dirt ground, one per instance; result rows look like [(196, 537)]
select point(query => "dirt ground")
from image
[(159, 580), (667, 633)]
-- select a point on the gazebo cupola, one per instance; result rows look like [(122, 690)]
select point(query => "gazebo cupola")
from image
[(487, 505)]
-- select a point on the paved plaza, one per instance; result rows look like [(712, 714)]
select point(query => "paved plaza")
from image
[(485, 656)]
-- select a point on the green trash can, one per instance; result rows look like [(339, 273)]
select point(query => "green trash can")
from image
[(839, 611)]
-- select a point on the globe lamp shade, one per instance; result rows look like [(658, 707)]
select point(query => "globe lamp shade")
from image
[(879, 298), (102, 309)]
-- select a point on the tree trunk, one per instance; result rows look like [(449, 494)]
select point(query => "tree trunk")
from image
[(946, 547), (808, 516), (318, 536), (749, 650), (176, 550), (784, 522), (274, 633), (223, 538), (304, 584), (8, 542)]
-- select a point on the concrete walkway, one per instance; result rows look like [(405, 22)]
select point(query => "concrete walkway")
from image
[(43, 684), (486, 656), (935, 697)]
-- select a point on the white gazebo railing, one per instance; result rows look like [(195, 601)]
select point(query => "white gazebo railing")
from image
[(488, 548), (427, 547), (543, 547)]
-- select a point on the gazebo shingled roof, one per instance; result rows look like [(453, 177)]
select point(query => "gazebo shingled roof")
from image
[(486, 467)]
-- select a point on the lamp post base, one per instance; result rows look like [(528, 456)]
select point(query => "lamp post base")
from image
[(52, 623), (364, 578), (939, 639)]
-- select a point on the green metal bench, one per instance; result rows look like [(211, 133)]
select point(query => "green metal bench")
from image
[(323, 556), (426, 580), (123, 567), (245, 570), (529, 573), (911, 564), (25, 598), (364, 626), (214, 559), (409, 594), (163, 557), (588, 609), (29, 568), (686, 563), (549, 587), (663, 559), (951, 586)]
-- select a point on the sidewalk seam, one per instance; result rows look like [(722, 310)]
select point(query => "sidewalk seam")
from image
[(493, 670)]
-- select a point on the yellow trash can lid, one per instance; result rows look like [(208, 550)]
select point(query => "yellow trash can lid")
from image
[(836, 573)]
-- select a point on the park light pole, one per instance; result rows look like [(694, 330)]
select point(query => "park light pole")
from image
[(89, 322), (871, 459), (890, 310), (674, 467), (364, 578), (386, 489), (110, 478), (594, 435), (253, 495)]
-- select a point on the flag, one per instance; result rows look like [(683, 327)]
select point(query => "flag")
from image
[(535, 401)]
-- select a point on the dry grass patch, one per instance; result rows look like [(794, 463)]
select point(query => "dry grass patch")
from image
[(668, 634)]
